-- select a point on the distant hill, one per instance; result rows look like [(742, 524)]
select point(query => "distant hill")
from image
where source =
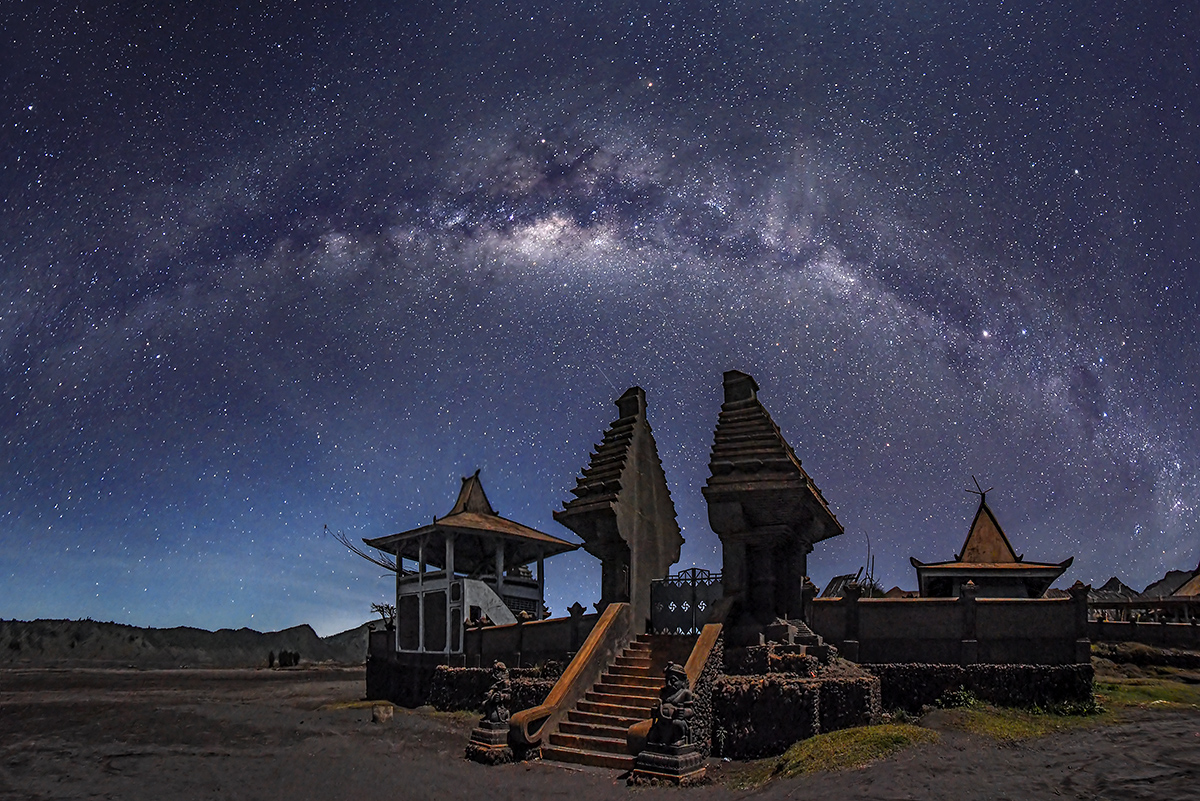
[(1169, 583), (87, 643), (1113, 590)]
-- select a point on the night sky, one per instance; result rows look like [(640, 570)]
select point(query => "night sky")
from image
[(286, 265)]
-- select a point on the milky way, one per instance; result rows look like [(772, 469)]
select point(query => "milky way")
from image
[(270, 270)]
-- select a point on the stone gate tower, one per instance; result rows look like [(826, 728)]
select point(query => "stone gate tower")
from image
[(767, 512), (623, 510)]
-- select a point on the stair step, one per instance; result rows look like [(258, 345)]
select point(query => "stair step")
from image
[(618, 721), (595, 759), (593, 730), (645, 702), (604, 745), (615, 710), (631, 690), (628, 680)]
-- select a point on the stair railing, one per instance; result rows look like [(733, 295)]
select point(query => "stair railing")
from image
[(612, 632)]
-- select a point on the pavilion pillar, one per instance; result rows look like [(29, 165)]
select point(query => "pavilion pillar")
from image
[(541, 582), (500, 569), (449, 581), (421, 594)]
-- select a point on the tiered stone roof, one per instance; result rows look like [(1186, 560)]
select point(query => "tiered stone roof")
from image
[(750, 454), (600, 481)]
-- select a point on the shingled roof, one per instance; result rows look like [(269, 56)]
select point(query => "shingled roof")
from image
[(473, 517)]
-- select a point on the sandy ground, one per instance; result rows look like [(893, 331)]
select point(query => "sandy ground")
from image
[(296, 734)]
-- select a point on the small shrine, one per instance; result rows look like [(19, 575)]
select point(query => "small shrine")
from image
[(988, 560), (469, 565)]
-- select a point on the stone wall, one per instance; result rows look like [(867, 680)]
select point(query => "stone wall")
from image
[(1037, 631), (459, 688), (522, 644), (915, 685), (402, 678), (759, 716), (702, 692), (1160, 635), (846, 702)]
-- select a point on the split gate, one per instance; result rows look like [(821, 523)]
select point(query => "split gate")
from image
[(680, 604)]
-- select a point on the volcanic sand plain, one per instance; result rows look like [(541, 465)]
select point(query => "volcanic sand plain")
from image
[(306, 734)]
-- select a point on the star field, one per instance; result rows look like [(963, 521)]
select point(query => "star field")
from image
[(268, 269)]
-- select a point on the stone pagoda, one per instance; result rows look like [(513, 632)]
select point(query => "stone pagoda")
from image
[(623, 510), (767, 512)]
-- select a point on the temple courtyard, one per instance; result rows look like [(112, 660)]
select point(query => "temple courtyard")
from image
[(305, 734)]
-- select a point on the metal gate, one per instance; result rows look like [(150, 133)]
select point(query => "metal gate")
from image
[(680, 604)]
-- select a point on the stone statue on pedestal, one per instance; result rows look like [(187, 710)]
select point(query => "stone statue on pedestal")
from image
[(673, 713), (670, 756), (498, 697), (489, 740)]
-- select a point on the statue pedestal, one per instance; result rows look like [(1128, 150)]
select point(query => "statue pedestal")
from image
[(668, 764), (489, 744)]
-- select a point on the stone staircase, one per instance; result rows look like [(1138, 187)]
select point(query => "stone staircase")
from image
[(593, 733)]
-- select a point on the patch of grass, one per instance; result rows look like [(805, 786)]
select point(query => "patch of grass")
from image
[(1003, 723), (961, 698), (1016, 724), (838, 750), (1148, 693)]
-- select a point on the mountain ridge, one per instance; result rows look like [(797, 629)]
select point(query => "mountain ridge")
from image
[(90, 643)]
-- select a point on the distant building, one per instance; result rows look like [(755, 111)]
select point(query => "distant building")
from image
[(1191, 589), (987, 559)]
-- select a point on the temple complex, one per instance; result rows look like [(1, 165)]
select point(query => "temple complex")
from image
[(987, 559), (673, 668), (470, 564)]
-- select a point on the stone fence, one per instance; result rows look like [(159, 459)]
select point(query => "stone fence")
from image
[(532, 643), (1160, 635), (958, 631), (407, 677)]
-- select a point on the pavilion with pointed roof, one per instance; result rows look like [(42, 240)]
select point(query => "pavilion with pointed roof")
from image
[(988, 560), (470, 564)]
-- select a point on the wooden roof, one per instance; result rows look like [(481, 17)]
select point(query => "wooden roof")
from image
[(986, 541), (477, 528), (987, 548), (987, 553), (1190, 589)]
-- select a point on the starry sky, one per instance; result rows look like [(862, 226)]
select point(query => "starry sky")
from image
[(278, 266)]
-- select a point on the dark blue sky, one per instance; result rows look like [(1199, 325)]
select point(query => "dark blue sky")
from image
[(299, 264)]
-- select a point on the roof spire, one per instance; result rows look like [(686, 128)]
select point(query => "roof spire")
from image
[(471, 497), (980, 491)]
